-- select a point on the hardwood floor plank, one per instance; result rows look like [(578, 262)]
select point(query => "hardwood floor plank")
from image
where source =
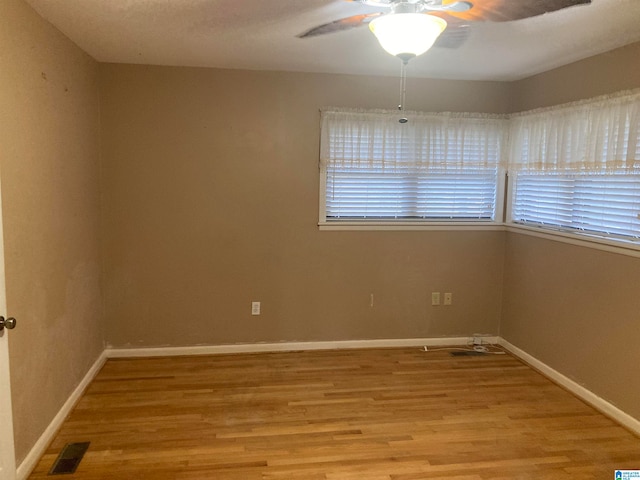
[(379, 414)]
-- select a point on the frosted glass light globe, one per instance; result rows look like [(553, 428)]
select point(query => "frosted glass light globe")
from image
[(407, 35)]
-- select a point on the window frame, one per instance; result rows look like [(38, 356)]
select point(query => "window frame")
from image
[(583, 239), (418, 224), (505, 198), (440, 121), (597, 135)]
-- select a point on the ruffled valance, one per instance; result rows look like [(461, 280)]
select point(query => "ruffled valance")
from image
[(375, 139), (596, 135)]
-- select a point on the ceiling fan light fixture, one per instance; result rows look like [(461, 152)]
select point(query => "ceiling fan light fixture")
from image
[(406, 35)]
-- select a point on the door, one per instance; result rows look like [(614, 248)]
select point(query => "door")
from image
[(7, 455), (7, 459)]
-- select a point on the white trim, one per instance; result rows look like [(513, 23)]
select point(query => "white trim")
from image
[(322, 214), (501, 180), (433, 226), (7, 445), (283, 347), (578, 390), (32, 458), (7, 442), (582, 240), (509, 195)]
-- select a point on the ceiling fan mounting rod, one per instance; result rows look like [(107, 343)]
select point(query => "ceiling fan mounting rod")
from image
[(437, 3), (403, 85), (420, 6), (406, 7)]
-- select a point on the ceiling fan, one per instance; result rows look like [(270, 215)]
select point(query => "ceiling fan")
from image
[(458, 15), (411, 27)]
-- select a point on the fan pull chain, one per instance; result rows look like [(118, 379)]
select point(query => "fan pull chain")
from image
[(403, 89)]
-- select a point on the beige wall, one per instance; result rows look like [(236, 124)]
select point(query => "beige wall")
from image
[(609, 72), (210, 191), (577, 309), (49, 160)]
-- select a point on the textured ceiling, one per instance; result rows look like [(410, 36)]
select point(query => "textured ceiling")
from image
[(261, 35)]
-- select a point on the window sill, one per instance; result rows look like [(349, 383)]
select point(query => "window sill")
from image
[(621, 247), (409, 225)]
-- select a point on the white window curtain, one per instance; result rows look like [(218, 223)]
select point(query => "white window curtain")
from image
[(598, 135), (375, 139), (573, 167), (435, 167), (576, 168)]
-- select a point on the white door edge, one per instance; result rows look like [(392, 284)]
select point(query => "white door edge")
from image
[(7, 445)]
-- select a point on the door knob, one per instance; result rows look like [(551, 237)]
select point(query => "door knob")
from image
[(9, 323)]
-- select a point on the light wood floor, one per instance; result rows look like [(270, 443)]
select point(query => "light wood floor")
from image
[(384, 414)]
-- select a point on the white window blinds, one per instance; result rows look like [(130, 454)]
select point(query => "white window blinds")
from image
[(577, 168), (597, 204), (435, 167)]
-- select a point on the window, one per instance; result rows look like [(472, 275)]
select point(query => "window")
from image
[(572, 168), (410, 194), (435, 168), (576, 168), (595, 204)]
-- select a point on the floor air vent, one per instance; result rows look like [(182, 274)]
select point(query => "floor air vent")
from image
[(467, 354), (69, 458)]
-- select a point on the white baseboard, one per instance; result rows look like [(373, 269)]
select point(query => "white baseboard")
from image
[(578, 390), (31, 460), (283, 347)]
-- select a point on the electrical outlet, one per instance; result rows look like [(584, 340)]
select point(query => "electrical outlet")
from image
[(255, 308), (448, 298), (435, 298)]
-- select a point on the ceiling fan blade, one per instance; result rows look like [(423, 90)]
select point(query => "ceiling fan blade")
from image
[(460, 6), (508, 10), (340, 25), (430, 5), (375, 3), (453, 37)]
